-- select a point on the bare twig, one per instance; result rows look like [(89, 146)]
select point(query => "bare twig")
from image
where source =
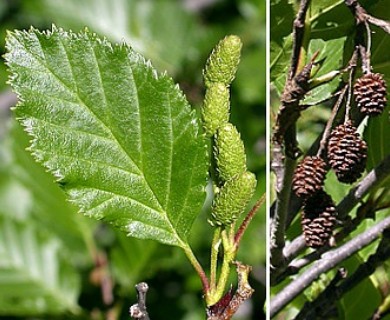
[(328, 261), (329, 124), (298, 35), (319, 307), (310, 309), (138, 310), (362, 16)]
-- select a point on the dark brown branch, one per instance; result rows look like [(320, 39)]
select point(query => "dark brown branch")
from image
[(362, 16), (298, 35)]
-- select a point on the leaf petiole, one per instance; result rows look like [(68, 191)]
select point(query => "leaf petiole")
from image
[(198, 268)]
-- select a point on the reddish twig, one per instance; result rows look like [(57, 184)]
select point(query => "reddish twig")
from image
[(244, 225)]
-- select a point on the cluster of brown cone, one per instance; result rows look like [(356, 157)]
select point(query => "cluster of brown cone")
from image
[(346, 155)]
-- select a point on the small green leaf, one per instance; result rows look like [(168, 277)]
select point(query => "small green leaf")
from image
[(120, 138), (376, 135), (331, 52)]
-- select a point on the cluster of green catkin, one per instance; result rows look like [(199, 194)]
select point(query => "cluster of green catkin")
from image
[(236, 185)]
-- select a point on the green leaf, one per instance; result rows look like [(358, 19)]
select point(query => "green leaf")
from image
[(130, 259), (120, 139), (375, 134), (31, 193), (363, 299), (331, 52), (154, 28), (34, 278)]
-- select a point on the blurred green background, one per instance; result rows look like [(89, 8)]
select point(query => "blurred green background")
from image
[(57, 264)]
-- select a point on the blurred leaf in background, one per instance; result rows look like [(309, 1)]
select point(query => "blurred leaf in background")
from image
[(43, 240)]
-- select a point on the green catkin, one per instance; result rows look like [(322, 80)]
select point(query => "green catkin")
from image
[(215, 111), (229, 152), (235, 185), (222, 64), (232, 199)]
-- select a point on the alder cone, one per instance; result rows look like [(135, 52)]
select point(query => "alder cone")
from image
[(370, 94), (318, 219), (309, 176), (347, 153)]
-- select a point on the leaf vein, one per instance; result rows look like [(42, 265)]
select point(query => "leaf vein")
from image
[(118, 195), (80, 132)]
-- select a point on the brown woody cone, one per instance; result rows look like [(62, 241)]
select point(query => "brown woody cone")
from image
[(318, 219), (309, 176), (347, 153), (370, 94)]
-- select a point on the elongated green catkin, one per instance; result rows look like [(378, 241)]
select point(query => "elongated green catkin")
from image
[(215, 111), (222, 64), (229, 152), (232, 199)]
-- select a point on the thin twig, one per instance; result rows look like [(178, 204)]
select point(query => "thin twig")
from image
[(329, 124), (138, 310), (349, 97), (368, 32), (244, 225), (309, 310), (298, 35), (362, 16), (319, 307)]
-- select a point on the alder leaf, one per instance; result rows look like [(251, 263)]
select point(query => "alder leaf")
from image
[(120, 138), (35, 278)]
